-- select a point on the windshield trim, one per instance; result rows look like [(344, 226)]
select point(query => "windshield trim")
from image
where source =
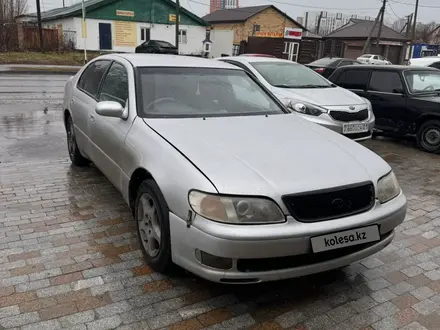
[(140, 101), (407, 84), (287, 63)]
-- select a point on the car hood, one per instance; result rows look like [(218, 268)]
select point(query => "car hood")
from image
[(272, 156), (428, 98), (319, 96)]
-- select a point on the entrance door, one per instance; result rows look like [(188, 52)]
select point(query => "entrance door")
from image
[(105, 36), (291, 49), (145, 34)]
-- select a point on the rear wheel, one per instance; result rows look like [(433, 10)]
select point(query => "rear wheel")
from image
[(152, 217), (428, 136), (74, 153)]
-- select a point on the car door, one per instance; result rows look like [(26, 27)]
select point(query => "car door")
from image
[(388, 97), (108, 133), (353, 79), (84, 101)]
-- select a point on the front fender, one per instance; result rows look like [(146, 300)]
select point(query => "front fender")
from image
[(172, 171)]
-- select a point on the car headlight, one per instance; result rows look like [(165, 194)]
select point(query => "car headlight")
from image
[(367, 101), (387, 188), (235, 209), (306, 108)]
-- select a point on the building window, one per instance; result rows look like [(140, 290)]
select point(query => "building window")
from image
[(256, 28), (182, 37), (235, 50)]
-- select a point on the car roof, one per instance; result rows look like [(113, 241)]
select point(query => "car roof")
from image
[(387, 67), (252, 59), (428, 60), (168, 60)]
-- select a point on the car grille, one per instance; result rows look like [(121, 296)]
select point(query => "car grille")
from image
[(349, 116), (331, 203)]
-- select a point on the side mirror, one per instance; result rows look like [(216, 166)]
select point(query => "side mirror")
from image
[(109, 109)]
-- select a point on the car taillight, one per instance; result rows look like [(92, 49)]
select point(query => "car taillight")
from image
[(319, 70)]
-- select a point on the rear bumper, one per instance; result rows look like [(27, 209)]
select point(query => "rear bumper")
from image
[(250, 246)]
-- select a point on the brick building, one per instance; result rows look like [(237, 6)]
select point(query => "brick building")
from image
[(257, 21), (222, 4)]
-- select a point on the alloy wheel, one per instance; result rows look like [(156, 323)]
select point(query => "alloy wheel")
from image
[(70, 139), (149, 225)]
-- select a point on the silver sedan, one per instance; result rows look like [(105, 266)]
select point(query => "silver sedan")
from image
[(222, 179), (311, 96)]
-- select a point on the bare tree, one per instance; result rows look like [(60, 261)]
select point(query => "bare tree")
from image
[(428, 33), (9, 9)]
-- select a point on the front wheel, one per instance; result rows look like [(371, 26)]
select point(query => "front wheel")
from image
[(428, 136), (74, 153), (152, 217)]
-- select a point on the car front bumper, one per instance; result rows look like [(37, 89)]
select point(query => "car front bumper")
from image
[(337, 126), (287, 244)]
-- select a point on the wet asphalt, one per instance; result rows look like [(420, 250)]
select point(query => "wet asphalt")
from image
[(31, 123)]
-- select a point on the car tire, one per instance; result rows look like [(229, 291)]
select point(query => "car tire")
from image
[(74, 153), (153, 224), (428, 136)]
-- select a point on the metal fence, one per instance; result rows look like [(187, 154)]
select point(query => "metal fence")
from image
[(68, 40)]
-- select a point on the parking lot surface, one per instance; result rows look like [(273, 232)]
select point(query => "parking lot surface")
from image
[(69, 256)]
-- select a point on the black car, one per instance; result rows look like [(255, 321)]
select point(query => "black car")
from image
[(157, 47), (327, 65), (405, 99)]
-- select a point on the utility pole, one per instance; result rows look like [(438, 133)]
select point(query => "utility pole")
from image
[(379, 32), (177, 24), (413, 37), (408, 25), (64, 3), (84, 28), (40, 28), (367, 43), (318, 26)]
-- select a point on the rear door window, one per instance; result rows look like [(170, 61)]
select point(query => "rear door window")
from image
[(385, 82), (92, 76), (353, 79)]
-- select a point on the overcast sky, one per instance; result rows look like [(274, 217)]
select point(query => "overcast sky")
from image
[(429, 10)]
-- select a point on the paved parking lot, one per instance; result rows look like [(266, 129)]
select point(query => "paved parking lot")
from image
[(69, 256)]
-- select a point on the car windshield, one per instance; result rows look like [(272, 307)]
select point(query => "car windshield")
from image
[(366, 56), (201, 92), (422, 81), (290, 75), (323, 61)]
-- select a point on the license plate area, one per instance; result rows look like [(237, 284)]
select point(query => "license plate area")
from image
[(354, 128), (345, 238)]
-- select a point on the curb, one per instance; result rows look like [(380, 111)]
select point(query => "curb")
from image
[(43, 71)]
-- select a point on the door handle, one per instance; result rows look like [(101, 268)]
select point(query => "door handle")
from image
[(92, 118)]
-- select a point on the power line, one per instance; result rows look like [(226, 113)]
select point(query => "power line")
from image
[(392, 10), (291, 4), (412, 4)]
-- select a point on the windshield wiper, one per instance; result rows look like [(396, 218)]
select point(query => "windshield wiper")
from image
[(313, 86), (284, 86)]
